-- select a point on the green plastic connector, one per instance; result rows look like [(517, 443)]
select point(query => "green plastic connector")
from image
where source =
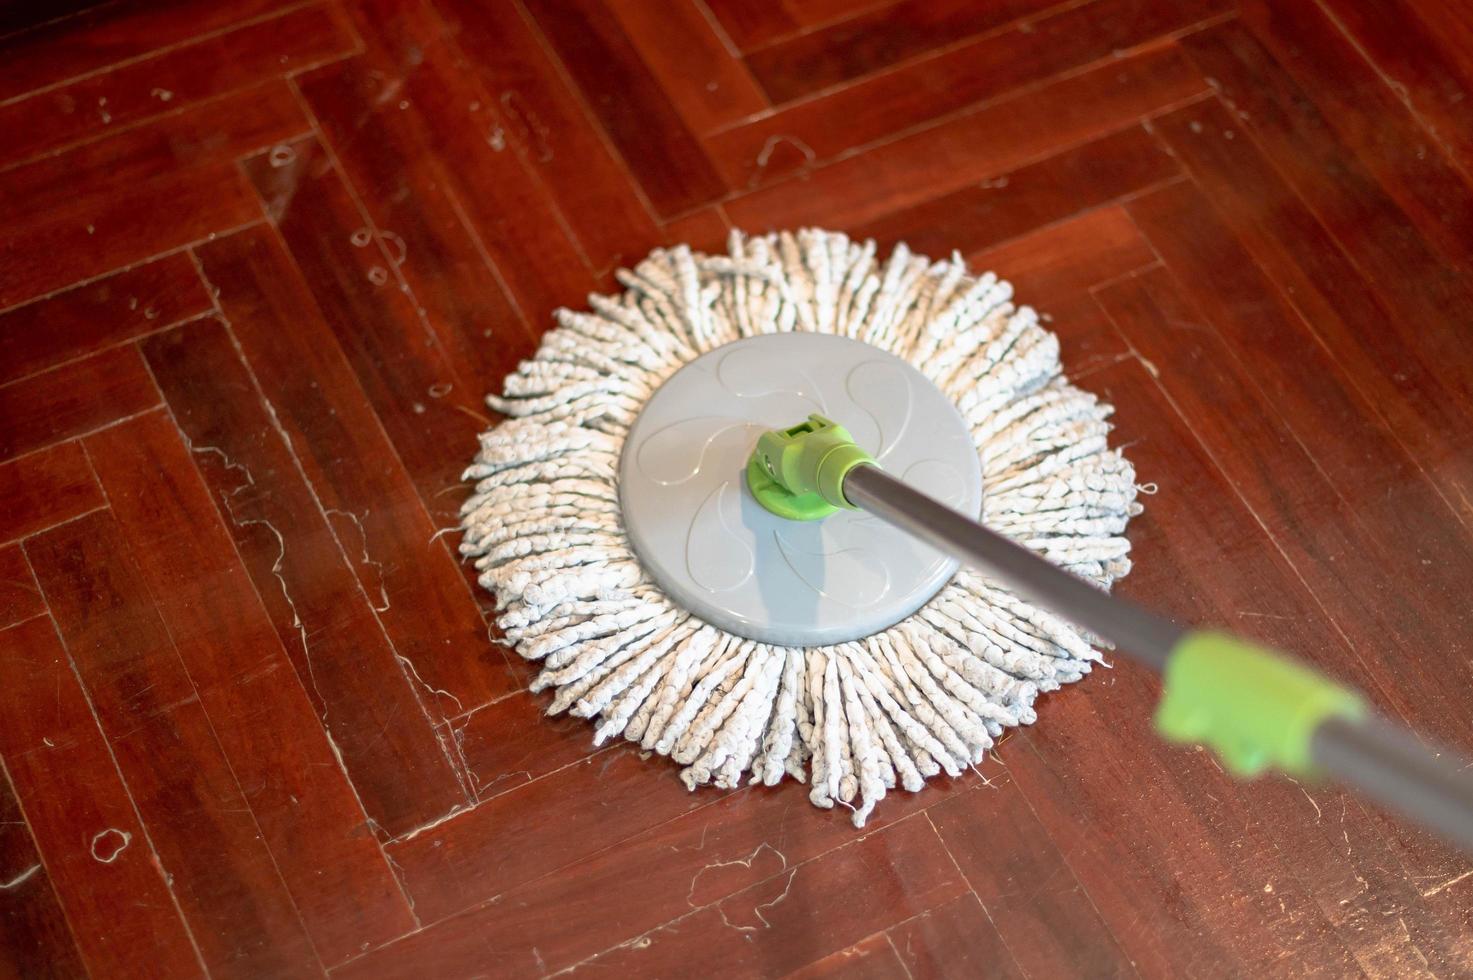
[(798, 473), (1256, 708)]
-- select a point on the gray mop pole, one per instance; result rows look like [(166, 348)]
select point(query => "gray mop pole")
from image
[(1381, 759)]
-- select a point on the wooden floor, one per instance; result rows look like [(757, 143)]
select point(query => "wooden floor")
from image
[(259, 261)]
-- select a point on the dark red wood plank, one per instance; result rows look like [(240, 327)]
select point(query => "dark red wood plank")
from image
[(1156, 881), (749, 23), (992, 140), (35, 940), (322, 616), (310, 818), (1067, 258), (112, 33), (1285, 386), (425, 605), (544, 119), (223, 873), (887, 876), (982, 70), (426, 398), (1423, 50), (217, 132), (874, 957), (470, 215), (706, 231), (45, 488), (73, 399), (624, 880), (134, 224), (1053, 268), (664, 156), (1016, 202), (870, 42), (100, 314), (745, 842), (1393, 360), (1193, 563), (707, 84), (1400, 265), (955, 939), (422, 225), (509, 840), (117, 896), (514, 741), (21, 18), (20, 598), (125, 96), (421, 395), (1027, 892), (1372, 122), (814, 13)]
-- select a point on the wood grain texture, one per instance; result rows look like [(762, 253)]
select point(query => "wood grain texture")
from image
[(546, 120), (876, 40), (20, 597), (258, 706), (425, 606), (168, 752), (72, 400), (361, 694), (709, 87), (119, 900), (260, 261), (101, 314), (45, 488), (113, 34), (93, 106), (35, 939), (711, 851), (991, 67), (664, 156), (965, 149), (1014, 202)]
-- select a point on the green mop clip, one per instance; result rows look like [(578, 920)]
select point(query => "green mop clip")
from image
[(798, 473), (1256, 708)]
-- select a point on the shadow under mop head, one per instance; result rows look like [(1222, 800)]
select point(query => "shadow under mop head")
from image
[(612, 520)]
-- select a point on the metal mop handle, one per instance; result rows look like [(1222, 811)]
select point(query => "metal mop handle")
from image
[(1380, 759), (1257, 708)]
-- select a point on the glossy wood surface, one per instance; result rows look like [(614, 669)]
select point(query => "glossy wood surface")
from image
[(260, 260)]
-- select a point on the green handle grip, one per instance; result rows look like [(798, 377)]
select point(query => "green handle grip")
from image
[(1256, 708)]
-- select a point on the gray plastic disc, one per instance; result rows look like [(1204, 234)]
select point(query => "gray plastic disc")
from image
[(716, 552)]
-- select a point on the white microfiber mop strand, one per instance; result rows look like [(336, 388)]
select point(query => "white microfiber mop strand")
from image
[(927, 695)]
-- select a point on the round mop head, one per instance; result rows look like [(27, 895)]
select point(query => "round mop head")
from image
[(841, 653)]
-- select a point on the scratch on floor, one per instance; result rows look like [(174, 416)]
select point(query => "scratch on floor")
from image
[(1408, 933), (97, 839), (745, 862), (1446, 884), (433, 690), (277, 566), (21, 878), (1318, 814), (758, 910), (454, 812), (764, 157), (399, 873), (383, 592), (642, 941)]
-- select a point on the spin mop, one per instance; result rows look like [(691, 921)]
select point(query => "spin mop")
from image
[(727, 510)]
